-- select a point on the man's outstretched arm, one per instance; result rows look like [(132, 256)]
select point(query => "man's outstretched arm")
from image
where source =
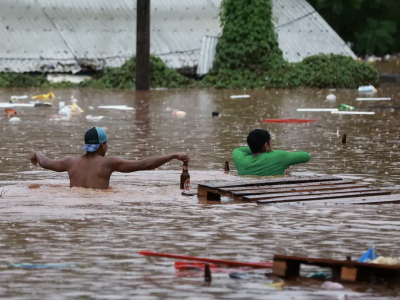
[(47, 163), (128, 166)]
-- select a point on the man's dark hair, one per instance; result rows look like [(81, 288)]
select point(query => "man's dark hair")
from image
[(257, 139)]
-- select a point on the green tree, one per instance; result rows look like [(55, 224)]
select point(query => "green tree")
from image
[(373, 26)]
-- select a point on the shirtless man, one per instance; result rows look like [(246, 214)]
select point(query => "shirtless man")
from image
[(93, 170)]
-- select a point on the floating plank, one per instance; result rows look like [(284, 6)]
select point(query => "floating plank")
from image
[(342, 270), (323, 196), (297, 189), (289, 121), (318, 109), (272, 181), (258, 187), (313, 193), (373, 99), (239, 96), (210, 190), (353, 112), (6, 104), (257, 265), (389, 199)]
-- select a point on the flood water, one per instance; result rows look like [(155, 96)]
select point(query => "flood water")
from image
[(98, 233)]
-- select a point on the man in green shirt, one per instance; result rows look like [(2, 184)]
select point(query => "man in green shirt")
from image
[(260, 159)]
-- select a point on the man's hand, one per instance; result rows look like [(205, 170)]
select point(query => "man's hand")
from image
[(182, 156), (34, 159)]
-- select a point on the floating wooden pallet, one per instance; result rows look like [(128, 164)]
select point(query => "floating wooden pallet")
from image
[(342, 270), (310, 189)]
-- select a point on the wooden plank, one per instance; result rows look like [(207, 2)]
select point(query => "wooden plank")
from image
[(325, 196), (389, 199), (271, 181), (273, 196), (297, 189), (258, 187), (329, 263), (342, 270)]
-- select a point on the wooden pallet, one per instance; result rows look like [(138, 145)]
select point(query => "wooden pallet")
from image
[(342, 270), (307, 189)]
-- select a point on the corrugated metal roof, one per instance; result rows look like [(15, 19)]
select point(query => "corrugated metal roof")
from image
[(43, 32), (207, 54), (38, 33), (303, 32)]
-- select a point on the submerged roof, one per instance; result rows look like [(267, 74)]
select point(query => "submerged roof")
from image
[(59, 36)]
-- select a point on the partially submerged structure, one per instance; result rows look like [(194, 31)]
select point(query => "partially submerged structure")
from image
[(67, 36)]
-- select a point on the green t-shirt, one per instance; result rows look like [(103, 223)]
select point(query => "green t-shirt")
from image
[(266, 164)]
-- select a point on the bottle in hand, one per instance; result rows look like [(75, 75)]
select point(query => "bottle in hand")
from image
[(185, 177)]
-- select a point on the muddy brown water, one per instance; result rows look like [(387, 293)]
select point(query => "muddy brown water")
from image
[(43, 221)]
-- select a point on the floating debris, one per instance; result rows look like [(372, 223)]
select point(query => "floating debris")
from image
[(179, 113), (353, 112), (373, 99), (49, 96), (15, 120), (239, 96), (318, 109), (121, 107), (94, 118), (367, 89), (331, 97)]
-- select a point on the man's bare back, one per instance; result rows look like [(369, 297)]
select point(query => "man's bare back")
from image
[(93, 170)]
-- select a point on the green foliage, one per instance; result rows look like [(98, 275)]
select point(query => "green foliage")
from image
[(248, 55), (248, 39), (121, 78), (124, 77), (320, 71), (373, 26)]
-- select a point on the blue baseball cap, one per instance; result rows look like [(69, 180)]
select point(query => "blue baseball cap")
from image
[(94, 137)]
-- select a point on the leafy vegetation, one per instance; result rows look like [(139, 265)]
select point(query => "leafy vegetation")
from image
[(121, 78), (248, 56), (373, 26)]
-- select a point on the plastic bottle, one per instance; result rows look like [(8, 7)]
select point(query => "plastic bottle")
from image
[(346, 107)]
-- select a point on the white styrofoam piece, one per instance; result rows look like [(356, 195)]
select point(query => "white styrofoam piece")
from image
[(7, 104), (121, 107), (240, 96), (353, 112), (318, 109), (373, 99)]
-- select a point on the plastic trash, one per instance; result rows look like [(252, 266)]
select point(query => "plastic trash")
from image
[(16, 98), (73, 100), (8, 104), (331, 97), (59, 118), (318, 109), (319, 275), (49, 96), (179, 113), (65, 111), (76, 109), (42, 105), (329, 285), (353, 112), (239, 96), (394, 261), (367, 89), (15, 120), (369, 255), (61, 104), (91, 108), (94, 118), (277, 285), (374, 99), (121, 107), (215, 114), (344, 107), (43, 266), (11, 112)]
